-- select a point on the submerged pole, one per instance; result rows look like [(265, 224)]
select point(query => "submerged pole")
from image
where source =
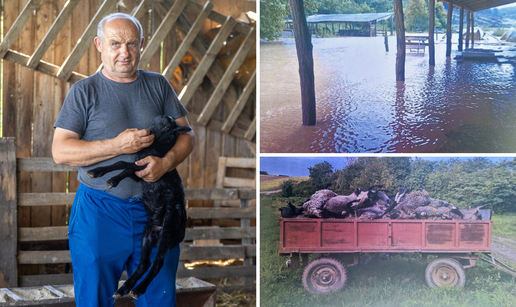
[(468, 34), (431, 27), (400, 38), (461, 27), (449, 30), (306, 61), (472, 30)]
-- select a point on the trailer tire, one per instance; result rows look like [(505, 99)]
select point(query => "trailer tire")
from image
[(445, 272), (324, 275)]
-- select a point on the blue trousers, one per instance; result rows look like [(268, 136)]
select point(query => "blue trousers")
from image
[(105, 234)]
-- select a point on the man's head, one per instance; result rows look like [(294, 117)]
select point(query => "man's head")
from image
[(119, 40)]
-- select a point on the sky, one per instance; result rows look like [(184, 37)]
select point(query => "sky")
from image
[(298, 166)]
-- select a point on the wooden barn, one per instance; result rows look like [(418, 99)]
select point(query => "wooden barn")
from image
[(207, 50)]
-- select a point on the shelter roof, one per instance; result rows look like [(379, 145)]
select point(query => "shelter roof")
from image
[(367, 17), (479, 5)]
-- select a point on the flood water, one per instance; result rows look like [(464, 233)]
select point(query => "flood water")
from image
[(453, 107)]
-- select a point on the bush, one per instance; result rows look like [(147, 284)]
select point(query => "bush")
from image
[(499, 32), (287, 188)]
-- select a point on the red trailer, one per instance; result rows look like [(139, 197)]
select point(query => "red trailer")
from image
[(454, 242)]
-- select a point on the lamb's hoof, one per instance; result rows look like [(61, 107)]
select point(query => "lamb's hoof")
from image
[(116, 296), (110, 184), (90, 174), (134, 295)]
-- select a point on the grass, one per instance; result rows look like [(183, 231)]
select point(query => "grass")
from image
[(398, 281), (271, 185), (504, 226)]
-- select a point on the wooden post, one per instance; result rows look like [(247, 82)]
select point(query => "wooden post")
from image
[(400, 37), (431, 28), (392, 25), (461, 27), (386, 40), (306, 61), (472, 30), (468, 34), (8, 214), (244, 203), (449, 30)]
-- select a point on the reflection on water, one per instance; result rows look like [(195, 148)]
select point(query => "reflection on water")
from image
[(453, 107)]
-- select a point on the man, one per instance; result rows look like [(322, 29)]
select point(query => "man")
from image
[(104, 120)]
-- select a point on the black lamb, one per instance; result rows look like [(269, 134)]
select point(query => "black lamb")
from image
[(164, 202)]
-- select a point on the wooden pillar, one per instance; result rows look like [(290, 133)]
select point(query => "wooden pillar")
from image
[(472, 30), (392, 25), (461, 27), (468, 34), (400, 38), (306, 61), (449, 30), (431, 28), (9, 225)]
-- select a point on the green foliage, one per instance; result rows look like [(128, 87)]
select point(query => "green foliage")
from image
[(287, 188), (416, 15), (499, 32), (321, 175), (272, 18)]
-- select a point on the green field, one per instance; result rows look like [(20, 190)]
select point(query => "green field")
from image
[(272, 185), (398, 281)]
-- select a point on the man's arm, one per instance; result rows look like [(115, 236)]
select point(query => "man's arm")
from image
[(157, 167), (68, 148)]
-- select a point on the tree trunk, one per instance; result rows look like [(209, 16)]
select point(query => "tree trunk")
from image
[(400, 38), (306, 61), (449, 30), (431, 27)]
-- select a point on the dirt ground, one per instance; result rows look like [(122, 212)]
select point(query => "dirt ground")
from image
[(504, 249)]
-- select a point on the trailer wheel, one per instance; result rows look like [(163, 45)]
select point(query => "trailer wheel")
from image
[(324, 275), (445, 272)]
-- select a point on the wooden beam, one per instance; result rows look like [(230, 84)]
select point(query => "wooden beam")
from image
[(249, 134), (216, 125), (238, 182), (42, 165), (141, 9), (52, 33), (187, 253), (449, 30), (32, 234), (227, 78), (168, 72), (66, 70), (218, 272), (217, 17), (160, 34), (188, 91), (44, 67), (17, 27), (240, 162), (8, 214), (48, 199), (218, 213), (237, 110)]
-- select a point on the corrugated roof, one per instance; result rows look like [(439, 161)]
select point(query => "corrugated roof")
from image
[(367, 17), (479, 5)]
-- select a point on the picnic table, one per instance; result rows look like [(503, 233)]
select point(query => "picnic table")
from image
[(417, 43)]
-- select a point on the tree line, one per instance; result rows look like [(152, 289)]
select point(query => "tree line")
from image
[(274, 13), (463, 182)]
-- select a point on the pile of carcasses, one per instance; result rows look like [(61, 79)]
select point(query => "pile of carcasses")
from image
[(375, 204)]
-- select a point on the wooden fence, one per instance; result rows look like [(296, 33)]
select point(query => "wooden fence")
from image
[(12, 234)]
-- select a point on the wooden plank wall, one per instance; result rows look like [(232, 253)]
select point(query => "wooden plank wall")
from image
[(32, 101)]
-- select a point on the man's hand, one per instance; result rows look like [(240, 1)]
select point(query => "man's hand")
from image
[(133, 140), (156, 167)]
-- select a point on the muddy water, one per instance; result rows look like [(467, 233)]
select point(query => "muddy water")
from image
[(453, 107)]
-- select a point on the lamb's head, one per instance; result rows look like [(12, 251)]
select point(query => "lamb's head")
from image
[(166, 129)]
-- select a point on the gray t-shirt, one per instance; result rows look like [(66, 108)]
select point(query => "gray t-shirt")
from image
[(98, 108)]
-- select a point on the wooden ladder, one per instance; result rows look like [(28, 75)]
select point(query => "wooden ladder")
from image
[(234, 98)]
